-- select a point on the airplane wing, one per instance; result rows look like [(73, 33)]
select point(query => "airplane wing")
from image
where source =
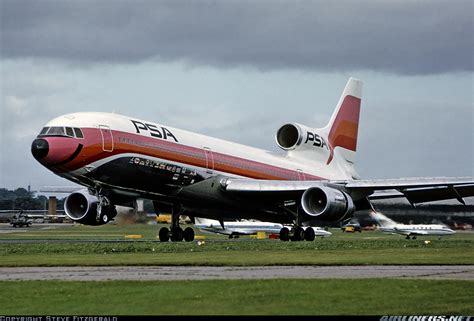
[(214, 231), (415, 190), (38, 213)]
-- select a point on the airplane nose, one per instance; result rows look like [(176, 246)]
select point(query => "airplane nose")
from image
[(39, 148)]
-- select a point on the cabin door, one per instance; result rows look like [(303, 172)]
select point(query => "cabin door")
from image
[(107, 138), (209, 160)]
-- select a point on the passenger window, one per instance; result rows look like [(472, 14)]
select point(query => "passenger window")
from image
[(56, 131), (69, 131), (44, 131), (78, 132)]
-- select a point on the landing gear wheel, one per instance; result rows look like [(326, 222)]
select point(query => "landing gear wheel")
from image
[(309, 234), (164, 234), (299, 234), (414, 237), (408, 237), (104, 218), (188, 234), (177, 234), (285, 234)]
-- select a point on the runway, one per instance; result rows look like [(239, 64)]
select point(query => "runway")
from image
[(167, 273)]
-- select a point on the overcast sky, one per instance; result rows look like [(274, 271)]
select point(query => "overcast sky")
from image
[(239, 69)]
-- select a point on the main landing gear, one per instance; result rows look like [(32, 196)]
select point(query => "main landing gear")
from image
[(176, 233), (299, 234)]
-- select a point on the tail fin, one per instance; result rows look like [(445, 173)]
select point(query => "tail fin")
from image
[(205, 221), (344, 124), (381, 219)]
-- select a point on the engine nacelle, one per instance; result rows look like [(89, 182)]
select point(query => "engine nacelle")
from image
[(327, 204), (289, 136), (300, 138), (83, 207)]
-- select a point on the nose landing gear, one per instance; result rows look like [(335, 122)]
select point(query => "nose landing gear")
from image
[(106, 211)]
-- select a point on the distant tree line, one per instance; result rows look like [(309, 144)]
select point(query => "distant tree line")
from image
[(20, 198)]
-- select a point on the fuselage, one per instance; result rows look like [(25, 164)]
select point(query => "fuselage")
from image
[(418, 229), (238, 228), (114, 151)]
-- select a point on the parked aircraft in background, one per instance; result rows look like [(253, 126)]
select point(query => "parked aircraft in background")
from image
[(246, 227), (119, 159), (410, 230), (35, 213)]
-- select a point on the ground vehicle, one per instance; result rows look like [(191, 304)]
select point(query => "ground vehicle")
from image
[(351, 228), (20, 220)]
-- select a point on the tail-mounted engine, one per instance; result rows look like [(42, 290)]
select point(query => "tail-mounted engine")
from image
[(87, 209), (327, 204), (299, 138)]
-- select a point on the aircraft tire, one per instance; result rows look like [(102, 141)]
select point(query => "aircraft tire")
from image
[(188, 234), (104, 218), (299, 234), (164, 234), (309, 234), (177, 234), (285, 234)]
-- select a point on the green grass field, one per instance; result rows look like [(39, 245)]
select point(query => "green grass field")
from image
[(233, 297), (239, 297), (340, 249)]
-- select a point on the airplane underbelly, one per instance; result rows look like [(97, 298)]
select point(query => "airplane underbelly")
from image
[(161, 179), (143, 174)]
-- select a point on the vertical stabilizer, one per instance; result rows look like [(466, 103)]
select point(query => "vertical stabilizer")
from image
[(344, 124), (205, 222), (382, 220), (200, 221)]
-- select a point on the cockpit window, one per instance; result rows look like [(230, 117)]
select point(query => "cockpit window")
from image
[(78, 132), (62, 131), (69, 132), (56, 131), (44, 131)]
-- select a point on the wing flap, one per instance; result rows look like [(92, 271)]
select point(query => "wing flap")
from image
[(439, 193)]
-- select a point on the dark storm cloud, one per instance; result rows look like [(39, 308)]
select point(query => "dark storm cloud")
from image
[(404, 37)]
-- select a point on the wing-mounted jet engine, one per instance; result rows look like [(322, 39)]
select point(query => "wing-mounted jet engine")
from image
[(327, 204), (88, 209)]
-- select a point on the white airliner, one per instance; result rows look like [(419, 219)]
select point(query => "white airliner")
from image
[(119, 159), (246, 227), (389, 226)]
